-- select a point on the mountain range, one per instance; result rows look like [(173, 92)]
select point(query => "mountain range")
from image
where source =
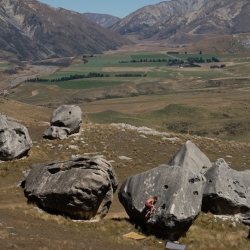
[(104, 20), (30, 30), (184, 20)]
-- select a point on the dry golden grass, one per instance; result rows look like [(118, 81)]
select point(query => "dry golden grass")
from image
[(112, 142), (210, 233), (24, 227)]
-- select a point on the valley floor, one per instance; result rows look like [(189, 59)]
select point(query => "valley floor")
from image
[(208, 107)]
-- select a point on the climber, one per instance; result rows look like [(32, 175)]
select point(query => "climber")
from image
[(150, 205)]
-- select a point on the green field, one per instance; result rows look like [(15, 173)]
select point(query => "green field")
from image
[(5, 65), (137, 65), (221, 57), (155, 71), (148, 56), (86, 83), (186, 56)]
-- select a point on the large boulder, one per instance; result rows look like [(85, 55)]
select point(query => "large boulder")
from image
[(227, 191), (14, 140), (81, 188), (64, 121), (69, 116), (179, 192), (56, 132), (191, 157)]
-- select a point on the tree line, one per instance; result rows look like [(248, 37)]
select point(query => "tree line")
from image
[(75, 77), (145, 60), (131, 75), (170, 62), (201, 60), (69, 78), (217, 66)]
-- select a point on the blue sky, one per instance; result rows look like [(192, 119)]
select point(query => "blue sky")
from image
[(120, 8)]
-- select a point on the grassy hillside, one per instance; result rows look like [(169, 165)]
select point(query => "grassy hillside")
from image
[(23, 226)]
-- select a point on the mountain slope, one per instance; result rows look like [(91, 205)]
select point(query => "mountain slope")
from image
[(104, 20), (187, 20), (215, 18), (142, 19), (33, 30)]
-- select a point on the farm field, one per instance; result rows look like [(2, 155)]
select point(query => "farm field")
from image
[(208, 102), (5, 65), (221, 57), (111, 65)]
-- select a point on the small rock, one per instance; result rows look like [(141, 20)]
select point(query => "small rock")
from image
[(74, 147), (125, 158)]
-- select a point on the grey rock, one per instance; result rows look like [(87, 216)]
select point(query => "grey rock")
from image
[(69, 116), (227, 191), (179, 192), (15, 142), (81, 188), (190, 157), (56, 132), (74, 147), (102, 19)]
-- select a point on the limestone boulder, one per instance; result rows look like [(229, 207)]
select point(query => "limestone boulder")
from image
[(179, 192), (81, 188), (15, 141), (56, 132), (64, 121), (227, 191), (190, 157), (68, 116)]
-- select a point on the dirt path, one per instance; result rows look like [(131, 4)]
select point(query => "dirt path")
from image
[(34, 71)]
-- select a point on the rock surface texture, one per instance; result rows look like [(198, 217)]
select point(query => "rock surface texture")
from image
[(190, 157), (227, 191), (56, 132), (179, 192), (81, 188), (14, 140), (65, 120)]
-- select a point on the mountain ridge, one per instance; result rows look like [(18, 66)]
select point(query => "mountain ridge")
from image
[(189, 20), (104, 20), (31, 30)]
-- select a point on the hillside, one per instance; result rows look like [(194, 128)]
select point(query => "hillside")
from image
[(144, 18), (239, 43), (25, 226), (187, 21), (31, 30), (104, 20)]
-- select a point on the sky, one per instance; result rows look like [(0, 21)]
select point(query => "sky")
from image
[(119, 8)]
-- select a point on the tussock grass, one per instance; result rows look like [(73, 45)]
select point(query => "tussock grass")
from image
[(30, 210), (146, 153), (4, 171), (4, 235), (210, 233)]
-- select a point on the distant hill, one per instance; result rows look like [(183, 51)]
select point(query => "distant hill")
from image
[(30, 30), (239, 43), (187, 21), (144, 18), (104, 20)]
